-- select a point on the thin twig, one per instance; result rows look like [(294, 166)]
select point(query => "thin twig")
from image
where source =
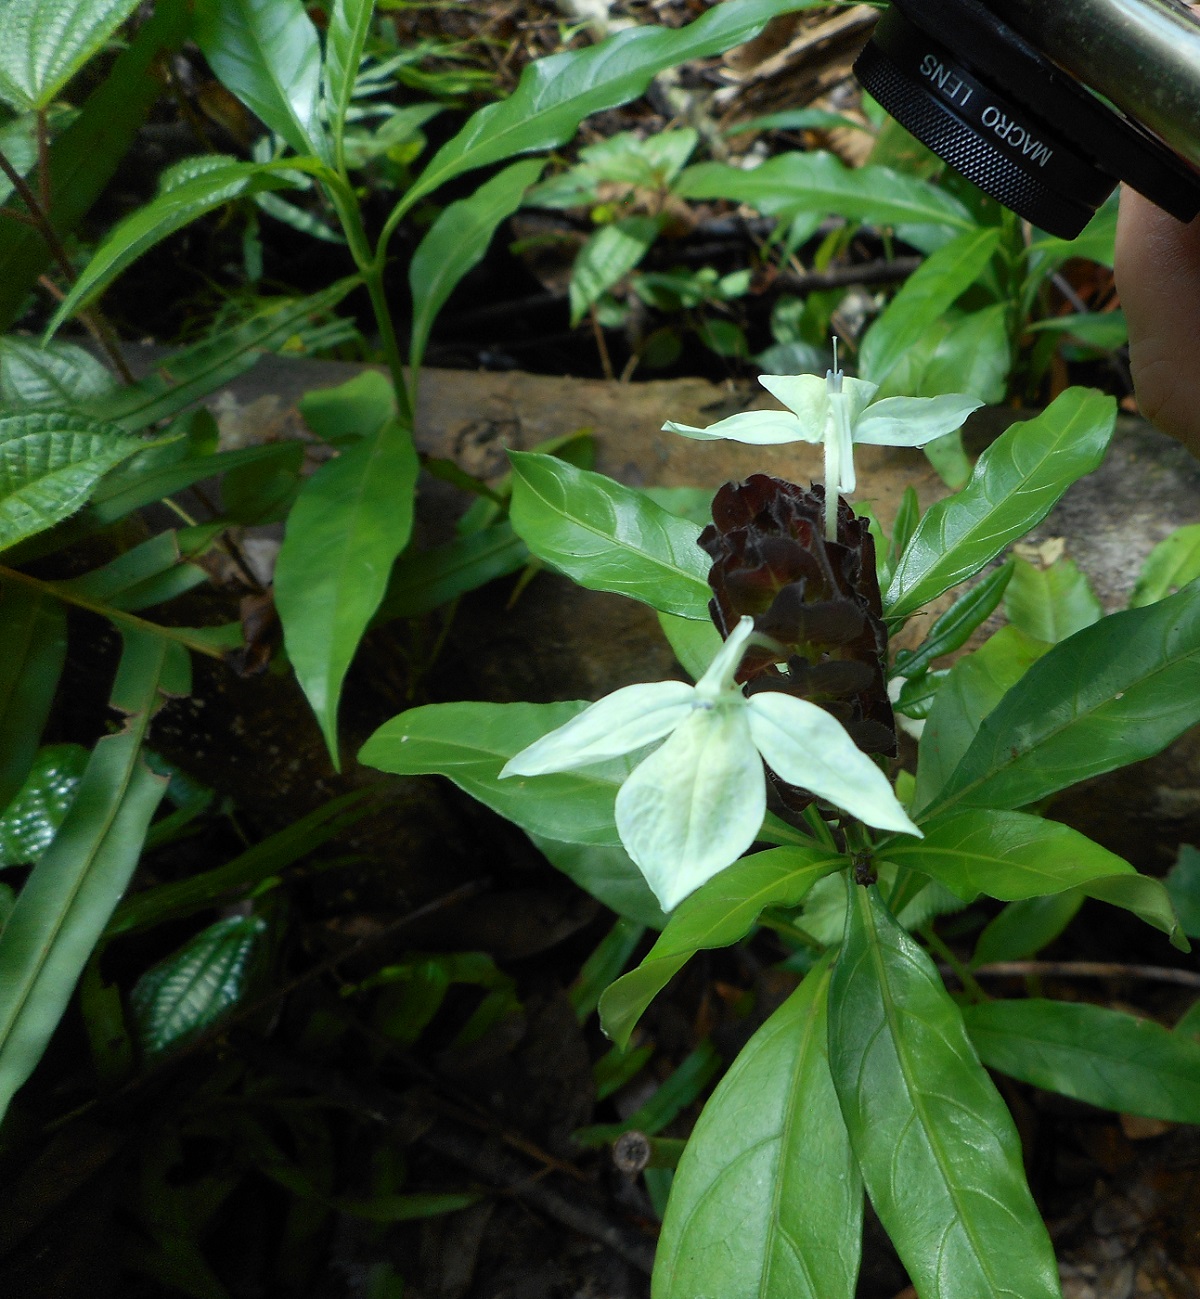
[(601, 346), (43, 153), (95, 324), (1087, 970)]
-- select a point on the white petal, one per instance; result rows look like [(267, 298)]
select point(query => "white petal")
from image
[(805, 746), (859, 394), (619, 723), (718, 678), (758, 427), (806, 394), (839, 470), (695, 805), (913, 421)]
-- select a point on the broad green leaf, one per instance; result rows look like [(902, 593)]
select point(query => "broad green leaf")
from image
[(1114, 693), (1012, 855), (59, 374), (32, 819), (926, 295), (1106, 330), (695, 643), (1016, 483), (607, 873), (148, 574), (936, 1145), (470, 742), (949, 459), (49, 464), (1104, 1057), (1172, 564), (162, 216), (33, 649), (958, 624), (608, 256), (84, 158), (799, 182), (1052, 603), (194, 372), (194, 986), (458, 241), (350, 521), (1183, 884), (266, 52), (423, 581), (958, 353), (47, 41), (718, 914), (555, 94), (345, 39), (1023, 928), (349, 410), (767, 1200), (975, 686), (68, 898), (608, 537)]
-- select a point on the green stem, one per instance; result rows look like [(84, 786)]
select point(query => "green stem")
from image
[(60, 592), (962, 973)]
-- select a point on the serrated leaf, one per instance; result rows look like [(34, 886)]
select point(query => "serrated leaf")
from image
[(608, 256), (608, 537), (266, 52), (350, 521), (936, 1145), (1101, 1056), (718, 914), (162, 216), (456, 242), (47, 41), (767, 1200), (32, 819), (33, 649), (1016, 483), (194, 987), (58, 374), (49, 464)]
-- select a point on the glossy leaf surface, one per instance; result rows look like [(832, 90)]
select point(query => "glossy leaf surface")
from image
[(1016, 483), (1104, 1057), (1051, 603), (59, 374), (718, 914), (33, 818), (345, 39), (196, 985), (936, 1145), (266, 52), (767, 1200), (470, 742), (350, 521), (47, 41), (608, 537), (49, 463)]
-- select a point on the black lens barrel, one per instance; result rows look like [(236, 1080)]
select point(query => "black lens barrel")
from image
[(982, 98)]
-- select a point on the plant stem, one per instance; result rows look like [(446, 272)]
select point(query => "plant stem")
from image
[(1087, 970), (181, 635), (961, 972)]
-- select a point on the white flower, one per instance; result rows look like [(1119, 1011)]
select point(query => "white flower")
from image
[(839, 412), (697, 803)]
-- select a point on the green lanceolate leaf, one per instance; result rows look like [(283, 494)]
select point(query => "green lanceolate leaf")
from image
[(1183, 884), (456, 242), (719, 913), (936, 1145), (1016, 483), (47, 41), (171, 210), (958, 624), (608, 537), (928, 294), (469, 743), (1052, 603), (608, 256), (1096, 1055), (1114, 693), (1172, 564), (194, 987), (345, 39), (59, 374), (607, 873), (1023, 928), (49, 463), (33, 818), (68, 898), (33, 648), (350, 410), (266, 52), (806, 182), (350, 521), (555, 94), (767, 1200), (695, 643)]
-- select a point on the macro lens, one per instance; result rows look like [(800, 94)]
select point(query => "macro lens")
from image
[(999, 110)]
